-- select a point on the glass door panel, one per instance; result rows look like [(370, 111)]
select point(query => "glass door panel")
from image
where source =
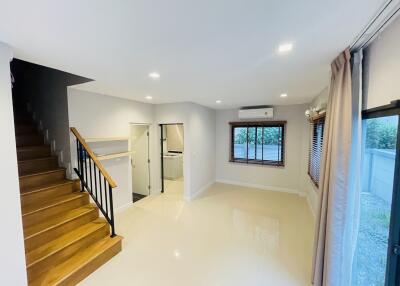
[(377, 177)]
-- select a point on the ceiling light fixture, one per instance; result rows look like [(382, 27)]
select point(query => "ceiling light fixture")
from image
[(154, 75), (149, 97), (284, 95), (218, 101), (285, 48)]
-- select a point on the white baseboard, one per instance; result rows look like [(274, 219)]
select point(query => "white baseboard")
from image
[(200, 191), (257, 186)]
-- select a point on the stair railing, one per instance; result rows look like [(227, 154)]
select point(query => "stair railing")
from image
[(95, 179)]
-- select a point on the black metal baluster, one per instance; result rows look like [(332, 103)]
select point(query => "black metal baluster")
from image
[(105, 195), (90, 173), (81, 163), (85, 162), (111, 211), (95, 176), (77, 155), (95, 181), (101, 190)]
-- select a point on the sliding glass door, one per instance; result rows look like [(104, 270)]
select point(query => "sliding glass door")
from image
[(376, 259)]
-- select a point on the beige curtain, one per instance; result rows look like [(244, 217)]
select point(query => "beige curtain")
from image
[(337, 220)]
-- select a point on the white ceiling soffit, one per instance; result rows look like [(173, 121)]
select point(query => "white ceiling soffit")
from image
[(204, 51), (389, 11)]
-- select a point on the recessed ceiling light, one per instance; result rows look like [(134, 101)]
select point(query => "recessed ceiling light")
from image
[(148, 97), (284, 95), (218, 101), (285, 48), (154, 75)]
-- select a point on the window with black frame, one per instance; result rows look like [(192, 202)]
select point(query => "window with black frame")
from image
[(315, 152), (258, 142)]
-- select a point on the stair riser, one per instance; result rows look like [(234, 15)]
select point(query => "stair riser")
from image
[(50, 234), (25, 129), (40, 216), (23, 119), (47, 194), (34, 153), (34, 166), (91, 266), (29, 140), (38, 180), (60, 256)]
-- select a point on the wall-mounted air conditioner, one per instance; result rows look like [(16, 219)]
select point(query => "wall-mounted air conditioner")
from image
[(257, 112)]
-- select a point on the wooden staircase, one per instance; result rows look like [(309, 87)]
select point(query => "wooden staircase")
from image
[(65, 239)]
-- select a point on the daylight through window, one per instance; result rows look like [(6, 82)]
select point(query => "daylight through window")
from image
[(258, 142)]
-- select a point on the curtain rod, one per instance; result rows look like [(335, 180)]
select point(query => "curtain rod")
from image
[(379, 28)]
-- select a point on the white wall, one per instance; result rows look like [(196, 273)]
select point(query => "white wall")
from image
[(202, 128), (285, 178), (199, 137), (382, 68), (12, 262), (96, 115)]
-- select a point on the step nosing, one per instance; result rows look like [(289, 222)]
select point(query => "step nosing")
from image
[(38, 159), (74, 240), (59, 224), (54, 205), (45, 188), (42, 173), (113, 242), (22, 148)]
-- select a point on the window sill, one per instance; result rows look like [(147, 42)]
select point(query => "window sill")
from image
[(257, 162)]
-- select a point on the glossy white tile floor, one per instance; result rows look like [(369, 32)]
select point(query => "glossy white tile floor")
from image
[(229, 236)]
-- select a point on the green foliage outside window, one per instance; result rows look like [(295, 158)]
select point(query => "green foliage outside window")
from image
[(271, 135), (381, 135)]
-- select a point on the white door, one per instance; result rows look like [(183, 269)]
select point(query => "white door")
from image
[(140, 159)]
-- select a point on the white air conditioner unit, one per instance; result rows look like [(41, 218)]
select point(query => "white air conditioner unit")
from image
[(256, 113)]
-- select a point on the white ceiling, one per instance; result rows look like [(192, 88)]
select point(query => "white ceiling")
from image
[(204, 50)]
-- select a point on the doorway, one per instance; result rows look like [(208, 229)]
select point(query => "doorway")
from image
[(376, 260), (140, 161), (172, 152)]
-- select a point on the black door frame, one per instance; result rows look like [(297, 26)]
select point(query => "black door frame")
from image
[(393, 254), (162, 150)]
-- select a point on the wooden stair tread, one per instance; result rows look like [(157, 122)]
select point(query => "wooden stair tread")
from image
[(32, 152), (39, 206), (63, 241), (42, 172), (37, 159), (34, 165), (45, 186), (57, 220), (60, 274)]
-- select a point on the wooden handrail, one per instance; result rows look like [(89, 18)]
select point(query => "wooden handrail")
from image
[(94, 157)]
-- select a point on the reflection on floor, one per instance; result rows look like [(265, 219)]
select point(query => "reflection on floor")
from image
[(174, 187), (229, 236)]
